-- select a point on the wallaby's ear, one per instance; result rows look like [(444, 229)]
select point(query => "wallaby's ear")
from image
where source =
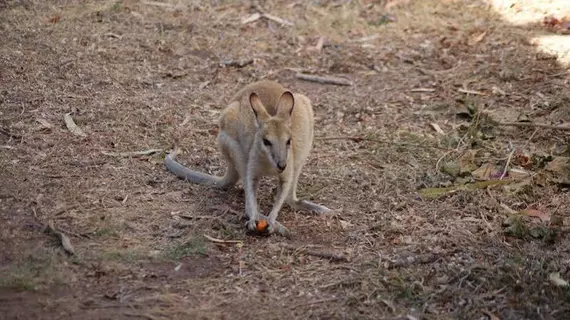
[(285, 105), (258, 108)]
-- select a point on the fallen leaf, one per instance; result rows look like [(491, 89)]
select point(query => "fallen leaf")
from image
[(498, 90), (55, 19), (437, 128), (542, 215), (44, 124), (476, 38), (345, 224), (518, 174), (560, 167), (487, 171), (252, 18), (522, 159), (522, 186), (556, 280), (64, 240), (467, 162), (395, 3), (66, 243), (71, 126)]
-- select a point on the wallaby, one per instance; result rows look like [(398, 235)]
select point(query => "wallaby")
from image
[(265, 131)]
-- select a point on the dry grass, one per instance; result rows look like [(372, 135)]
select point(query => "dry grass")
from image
[(132, 72)]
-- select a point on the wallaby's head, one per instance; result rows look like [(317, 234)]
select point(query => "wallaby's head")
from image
[(274, 132)]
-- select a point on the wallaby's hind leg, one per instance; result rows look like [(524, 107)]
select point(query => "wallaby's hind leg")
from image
[(304, 205), (231, 154)]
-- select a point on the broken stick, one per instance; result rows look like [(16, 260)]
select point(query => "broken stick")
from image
[(216, 240), (324, 80), (132, 154)]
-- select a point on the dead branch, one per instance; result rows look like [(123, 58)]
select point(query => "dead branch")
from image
[(277, 19), (215, 240), (324, 80), (132, 154), (477, 93), (317, 253), (534, 125), (422, 90)]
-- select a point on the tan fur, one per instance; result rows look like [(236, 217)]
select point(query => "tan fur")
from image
[(254, 130)]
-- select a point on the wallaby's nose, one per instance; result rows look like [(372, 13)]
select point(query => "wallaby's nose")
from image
[(281, 166)]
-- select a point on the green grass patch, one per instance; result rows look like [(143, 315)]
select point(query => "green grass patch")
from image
[(194, 246), (36, 270)]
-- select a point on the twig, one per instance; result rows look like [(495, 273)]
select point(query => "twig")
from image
[(321, 254), (277, 19), (132, 154), (422, 90), (237, 63), (324, 80), (161, 4), (359, 139), (437, 128), (534, 125), (478, 93), (113, 35), (441, 159), (215, 240), (507, 165), (256, 16)]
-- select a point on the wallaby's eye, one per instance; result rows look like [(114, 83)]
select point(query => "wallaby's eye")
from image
[(266, 142), (289, 142)]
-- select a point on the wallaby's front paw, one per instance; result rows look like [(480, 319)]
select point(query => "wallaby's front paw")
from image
[(272, 226), (251, 225)]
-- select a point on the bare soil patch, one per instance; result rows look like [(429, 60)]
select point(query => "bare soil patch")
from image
[(443, 212)]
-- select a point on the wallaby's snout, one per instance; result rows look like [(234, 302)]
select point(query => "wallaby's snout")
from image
[(281, 165)]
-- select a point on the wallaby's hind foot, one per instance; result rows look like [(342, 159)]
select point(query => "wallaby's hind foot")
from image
[(306, 205)]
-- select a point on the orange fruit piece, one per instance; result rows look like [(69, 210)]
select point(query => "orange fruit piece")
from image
[(261, 225)]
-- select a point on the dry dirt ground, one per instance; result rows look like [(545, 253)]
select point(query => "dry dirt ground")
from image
[(139, 75)]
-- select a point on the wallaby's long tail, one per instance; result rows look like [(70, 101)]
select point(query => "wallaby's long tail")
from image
[(193, 176)]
